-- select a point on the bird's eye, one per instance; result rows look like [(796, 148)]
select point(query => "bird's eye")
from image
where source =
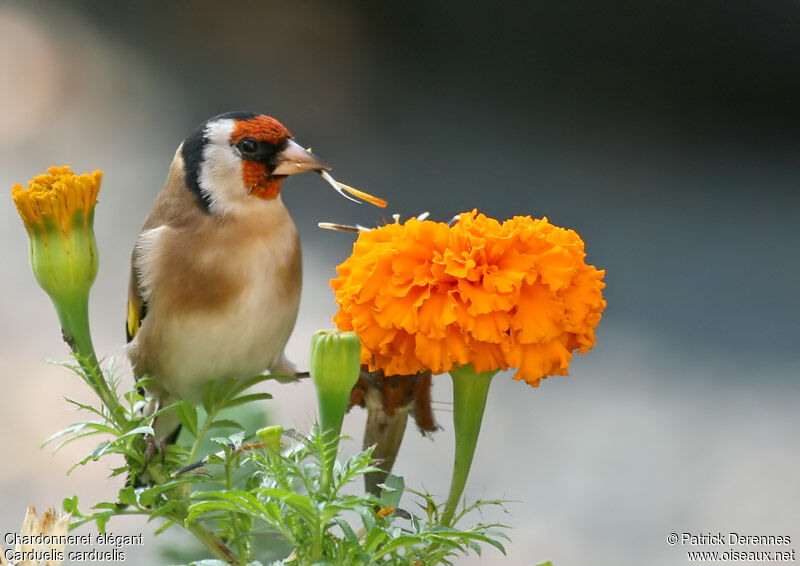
[(248, 146)]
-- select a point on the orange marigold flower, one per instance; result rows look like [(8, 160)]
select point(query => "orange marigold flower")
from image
[(424, 295)]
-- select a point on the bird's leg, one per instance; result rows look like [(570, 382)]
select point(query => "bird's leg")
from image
[(156, 445), (385, 432), (388, 401), (166, 427)]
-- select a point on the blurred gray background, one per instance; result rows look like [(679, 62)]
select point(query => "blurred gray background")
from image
[(665, 133)]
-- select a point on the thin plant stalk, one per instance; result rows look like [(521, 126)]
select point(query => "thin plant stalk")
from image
[(470, 390)]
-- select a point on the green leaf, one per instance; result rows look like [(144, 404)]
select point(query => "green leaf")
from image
[(208, 397), (374, 538), (101, 449), (225, 423), (85, 407), (70, 505), (101, 521), (127, 495), (392, 491), (398, 543), (71, 429), (167, 525), (248, 383), (300, 504), (349, 535), (187, 415), (167, 508), (247, 399), (143, 430), (367, 517)]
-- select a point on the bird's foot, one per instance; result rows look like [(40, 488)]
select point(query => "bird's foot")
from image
[(153, 447)]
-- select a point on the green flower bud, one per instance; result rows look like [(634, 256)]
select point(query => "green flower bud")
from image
[(270, 436), (335, 365)]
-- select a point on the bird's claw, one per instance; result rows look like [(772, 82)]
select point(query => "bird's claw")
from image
[(152, 447)]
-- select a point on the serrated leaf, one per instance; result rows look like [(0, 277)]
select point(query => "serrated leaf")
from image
[(101, 521), (70, 504), (127, 495)]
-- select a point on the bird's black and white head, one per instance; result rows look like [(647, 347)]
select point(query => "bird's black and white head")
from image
[(239, 156)]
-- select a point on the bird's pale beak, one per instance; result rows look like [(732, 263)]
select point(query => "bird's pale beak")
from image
[(295, 159)]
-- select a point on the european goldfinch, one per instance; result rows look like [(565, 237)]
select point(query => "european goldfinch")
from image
[(216, 272)]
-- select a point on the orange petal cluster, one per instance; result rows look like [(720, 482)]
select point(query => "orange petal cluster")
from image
[(56, 196), (424, 295)]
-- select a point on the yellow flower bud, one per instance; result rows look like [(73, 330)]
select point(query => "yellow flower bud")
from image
[(58, 211)]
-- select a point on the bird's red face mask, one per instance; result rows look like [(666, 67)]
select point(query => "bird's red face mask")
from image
[(269, 155)]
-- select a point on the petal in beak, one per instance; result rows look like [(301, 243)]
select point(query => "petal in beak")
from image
[(294, 159)]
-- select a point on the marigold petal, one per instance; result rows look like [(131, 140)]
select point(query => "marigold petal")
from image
[(433, 353), (537, 361), (491, 327), (457, 345), (435, 314), (509, 272), (485, 356), (478, 299), (539, 315), (556, 267)]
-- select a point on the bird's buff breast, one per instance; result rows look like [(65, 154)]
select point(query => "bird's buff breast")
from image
[(237, 331)]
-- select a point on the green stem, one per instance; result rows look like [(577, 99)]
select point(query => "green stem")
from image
[(241, 546), (470, 389), (316, 550), (74, 317), (211, 541), (201, 434), (332, 407)]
